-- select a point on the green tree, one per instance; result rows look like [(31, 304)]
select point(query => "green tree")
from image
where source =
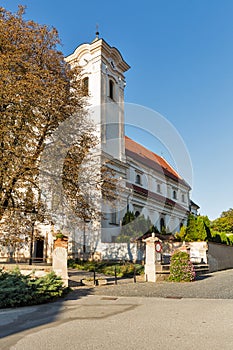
[(224, 223), (43, 120), (134, 227), (38, 91), (197, 229), (128, 217), (201, 233), (191, 230)]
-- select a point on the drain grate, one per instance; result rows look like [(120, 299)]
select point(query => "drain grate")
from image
[(109, 298), (172, 297)]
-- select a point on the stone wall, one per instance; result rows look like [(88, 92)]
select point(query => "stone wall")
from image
[(197, 250), (120, 251), (220, 257)]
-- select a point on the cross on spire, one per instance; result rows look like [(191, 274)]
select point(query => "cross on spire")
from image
[(97, 31)]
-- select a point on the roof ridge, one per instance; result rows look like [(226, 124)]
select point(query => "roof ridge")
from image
[(158, 159)]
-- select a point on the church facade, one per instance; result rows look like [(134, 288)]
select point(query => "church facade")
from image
[(151, 186)]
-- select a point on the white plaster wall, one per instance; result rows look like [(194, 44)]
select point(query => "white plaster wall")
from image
[(117, 251)]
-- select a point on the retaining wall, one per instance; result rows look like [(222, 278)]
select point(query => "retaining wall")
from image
[(220, 257)]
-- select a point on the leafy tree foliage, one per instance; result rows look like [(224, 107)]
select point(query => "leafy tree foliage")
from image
[(224, 223), (43, 120), (134, 227), (128, 217), (39, 90), (200, 229), (197, 229)]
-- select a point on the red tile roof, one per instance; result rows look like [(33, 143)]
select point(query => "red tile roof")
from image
[(141, 154)]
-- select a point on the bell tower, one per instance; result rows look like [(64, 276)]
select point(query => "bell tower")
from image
[(103, 69)]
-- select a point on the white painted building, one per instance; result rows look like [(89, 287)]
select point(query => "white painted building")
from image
[(152, 186)]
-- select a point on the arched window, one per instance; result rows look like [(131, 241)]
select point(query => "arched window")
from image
[(174, 195), (111, 89), (138, 179), (183, 198), (85, 86), (137, 213), (162, 225)]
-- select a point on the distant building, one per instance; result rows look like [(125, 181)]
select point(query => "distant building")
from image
[(193, 208)]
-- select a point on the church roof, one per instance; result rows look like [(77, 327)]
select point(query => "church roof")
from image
[(142, 155)]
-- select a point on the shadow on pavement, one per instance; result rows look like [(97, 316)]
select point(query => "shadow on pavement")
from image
[(203, 277), (17, 320)]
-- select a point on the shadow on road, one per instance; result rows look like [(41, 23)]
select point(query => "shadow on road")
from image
[(17, 320), (203, 277)]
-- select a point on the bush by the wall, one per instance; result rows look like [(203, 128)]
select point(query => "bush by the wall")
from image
[(181, 268), (19, 290), (108, 268)]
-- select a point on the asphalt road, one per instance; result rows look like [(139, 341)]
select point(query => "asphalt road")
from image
[(196, 315), (218, 285)]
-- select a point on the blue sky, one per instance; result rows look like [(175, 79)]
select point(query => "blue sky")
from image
[(181, 54)]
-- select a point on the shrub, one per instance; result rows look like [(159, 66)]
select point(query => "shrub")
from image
[(181, 268), (108, 268), (19, 290)]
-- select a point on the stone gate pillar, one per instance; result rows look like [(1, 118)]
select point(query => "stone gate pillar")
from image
[(151, 258), (60, 260)]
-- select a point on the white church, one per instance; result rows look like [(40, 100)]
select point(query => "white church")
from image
[(151, 186)]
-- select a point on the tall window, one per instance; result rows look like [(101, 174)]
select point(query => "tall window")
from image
[(138, 179), (114, 217), (174, 195), (158, 188), (183, 198), (162, 225), (111, 89), (85, 86)]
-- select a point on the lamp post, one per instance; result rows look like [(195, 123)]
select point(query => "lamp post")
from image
[(33, 213), (84, 237), (31, 242), (127, 200), (84, 234)]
